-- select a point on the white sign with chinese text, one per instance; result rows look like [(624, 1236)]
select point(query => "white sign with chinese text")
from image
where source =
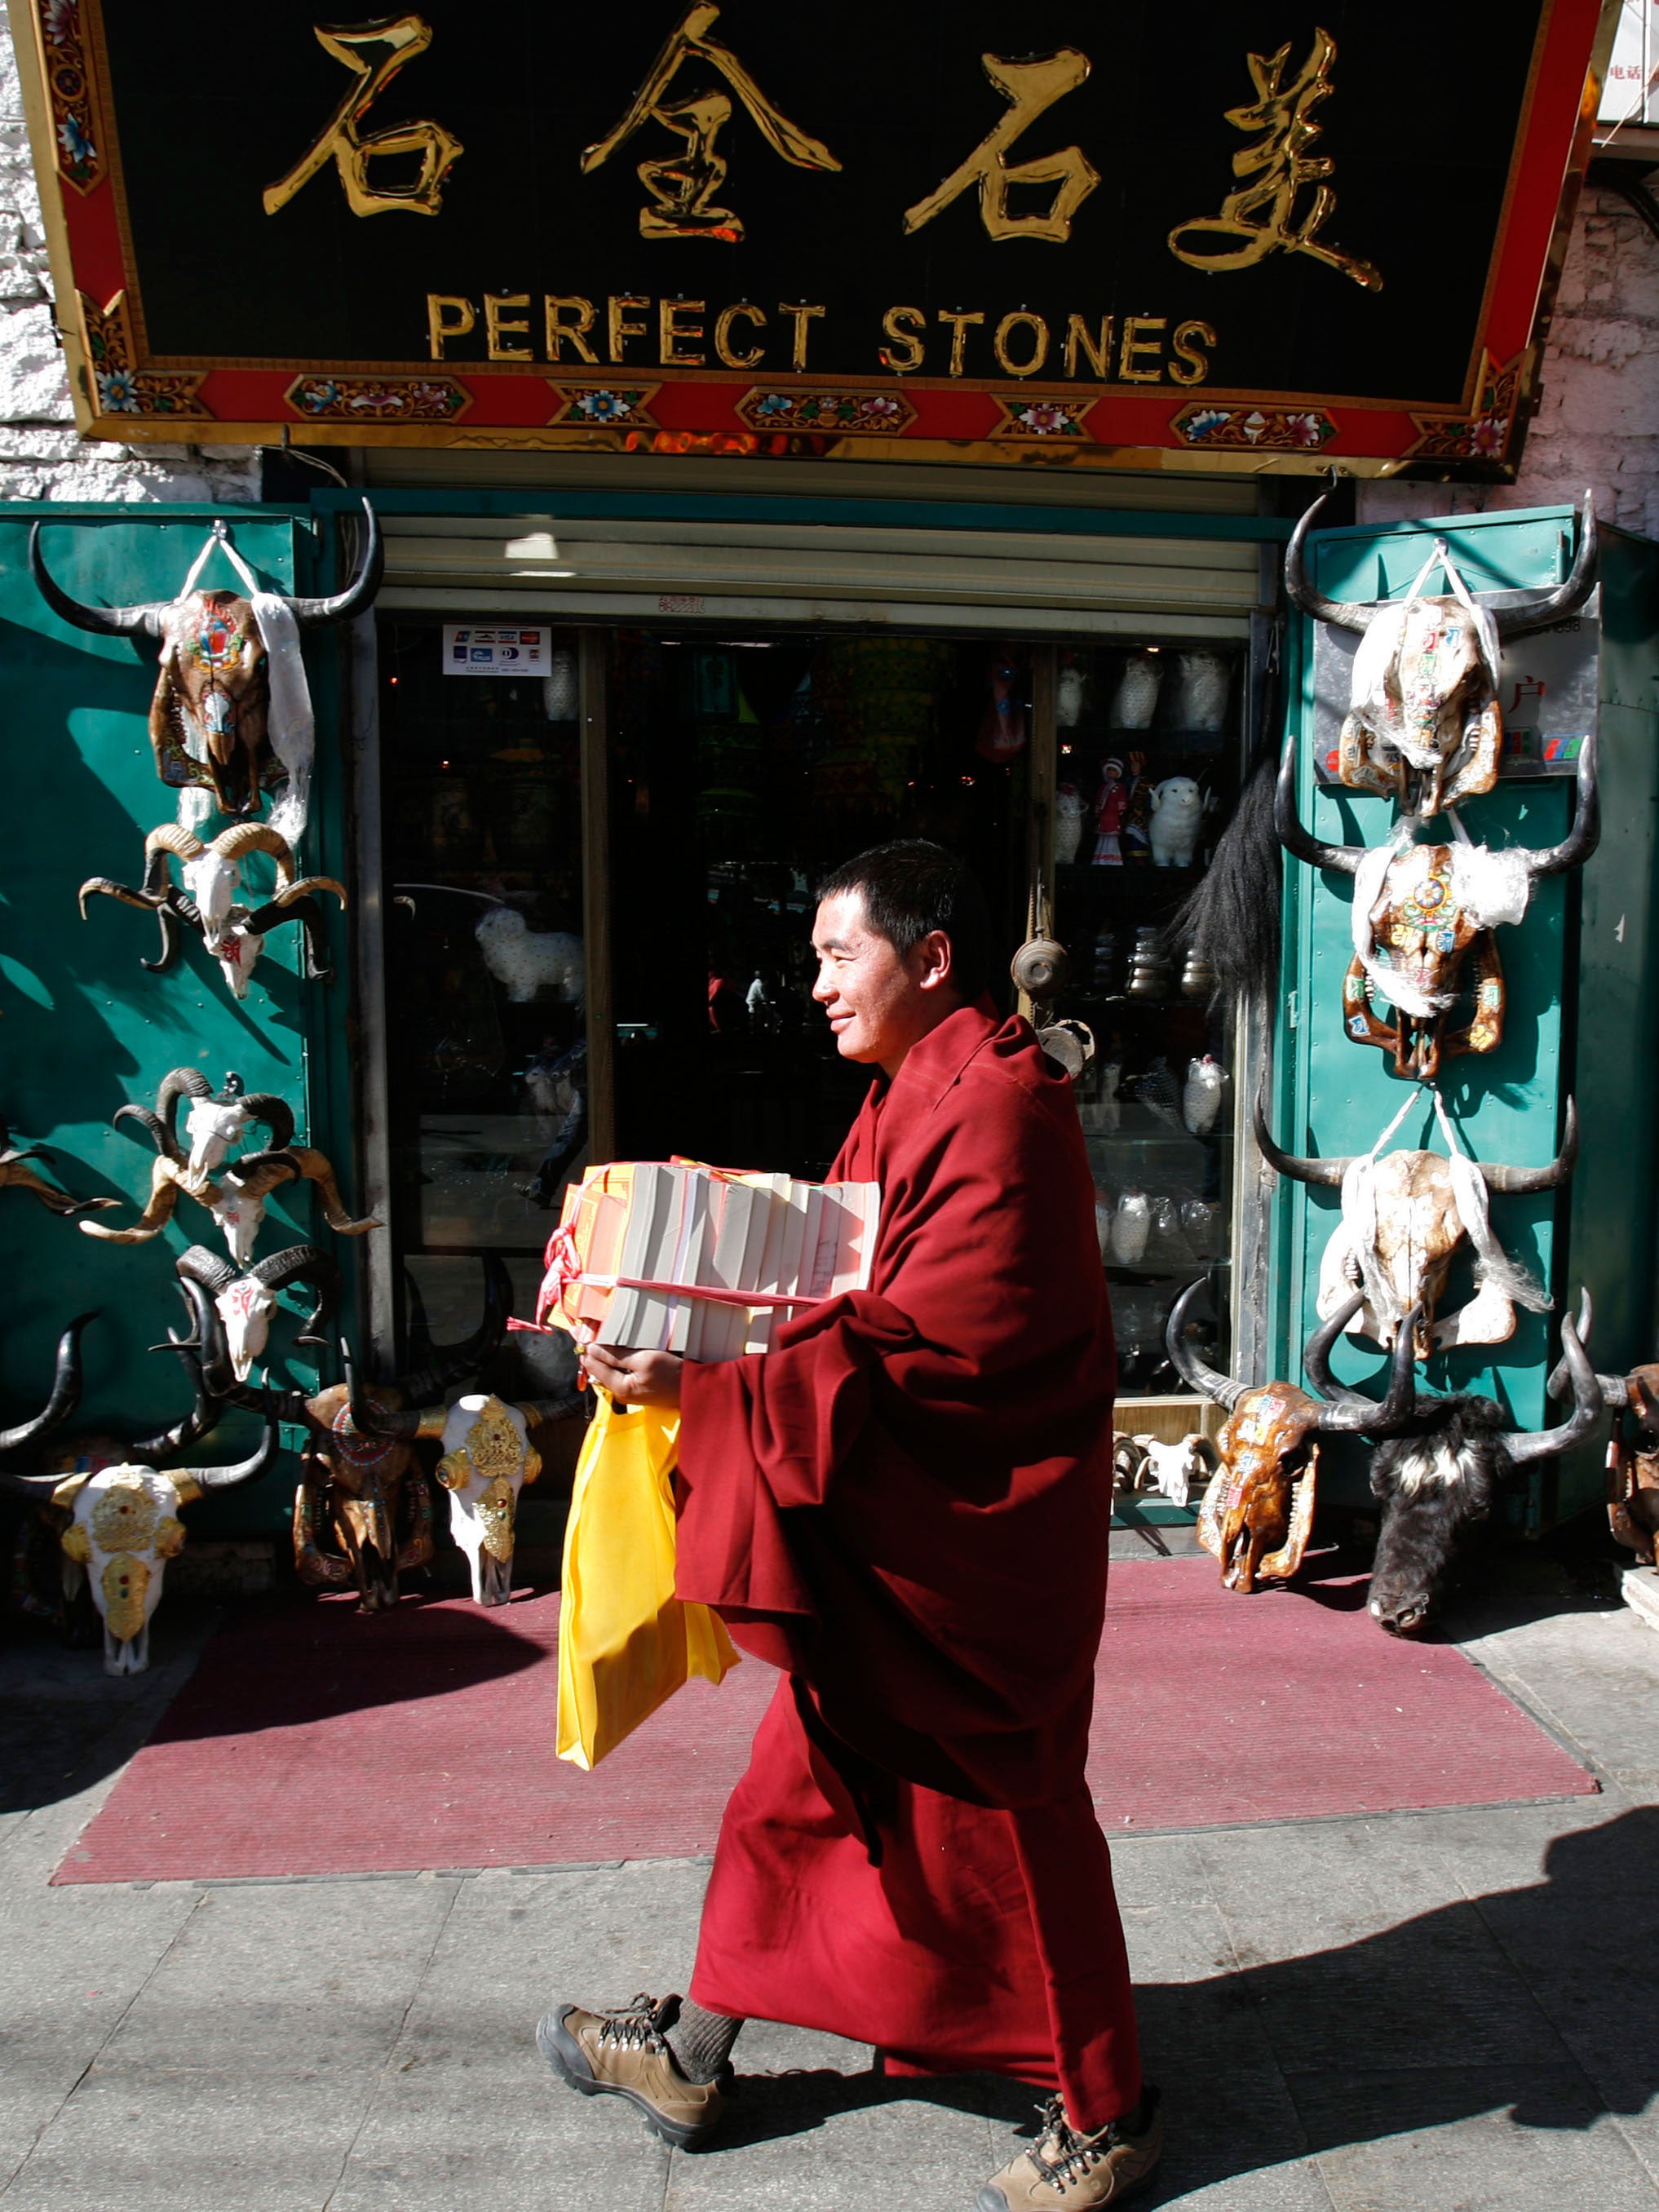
[(495, 649)]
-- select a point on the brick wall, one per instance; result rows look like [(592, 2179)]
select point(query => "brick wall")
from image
[(40, 456)]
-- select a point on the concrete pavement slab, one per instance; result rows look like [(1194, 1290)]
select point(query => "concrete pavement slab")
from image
[(1593, 1676), (1483, 2139), (151, 2138), (286, 1980)]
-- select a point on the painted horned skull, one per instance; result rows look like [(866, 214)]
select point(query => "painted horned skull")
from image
[(208, 719), (1424, 913), (1423, 725), (488, 1458), (1405, 1217), (1257, 1513)]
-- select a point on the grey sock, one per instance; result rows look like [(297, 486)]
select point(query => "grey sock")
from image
[(702, 2041)]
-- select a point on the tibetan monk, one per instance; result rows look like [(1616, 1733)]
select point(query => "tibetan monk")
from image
[(904, 1506)]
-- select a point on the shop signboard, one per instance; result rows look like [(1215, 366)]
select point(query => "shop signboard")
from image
[(1285, 234)]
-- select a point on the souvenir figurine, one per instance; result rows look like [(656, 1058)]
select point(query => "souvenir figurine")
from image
[(1200, 1095), (1111, 803), (1137, 830), (1070, 814), (1135, 702), (524, 961), (1177, 814), (1002, 729), (1203, 680), (1425, 725), (1070, 691), (1132, 1224)]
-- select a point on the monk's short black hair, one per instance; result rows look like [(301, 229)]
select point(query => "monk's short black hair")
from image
[(911, 888)]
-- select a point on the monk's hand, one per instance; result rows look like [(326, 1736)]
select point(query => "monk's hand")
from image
[(635, 1378)]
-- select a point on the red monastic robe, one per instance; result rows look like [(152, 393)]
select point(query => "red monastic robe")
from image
[(905, 1505)]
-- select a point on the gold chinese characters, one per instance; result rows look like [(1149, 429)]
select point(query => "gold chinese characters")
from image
[(394, 40), (1260, 218), (1030, 87), (682, 189), (627, 329)]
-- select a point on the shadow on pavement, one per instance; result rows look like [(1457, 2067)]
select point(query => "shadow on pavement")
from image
[(1537, 2000)]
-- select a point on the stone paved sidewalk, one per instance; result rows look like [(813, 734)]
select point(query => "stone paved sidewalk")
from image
[(1422, 2012)]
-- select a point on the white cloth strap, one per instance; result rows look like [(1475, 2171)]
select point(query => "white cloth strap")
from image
[(292, 726)]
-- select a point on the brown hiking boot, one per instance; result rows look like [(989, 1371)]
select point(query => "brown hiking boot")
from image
[(625, 2053), (1074, 2173)]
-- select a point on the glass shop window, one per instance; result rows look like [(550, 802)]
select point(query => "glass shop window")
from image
[(1149, 748), (484, 981), (743, 769)]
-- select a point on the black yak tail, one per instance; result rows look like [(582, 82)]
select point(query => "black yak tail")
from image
[(1231, 921)]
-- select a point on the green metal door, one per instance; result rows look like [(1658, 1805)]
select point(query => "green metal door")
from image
[(84, 1028), (1334, 1095)]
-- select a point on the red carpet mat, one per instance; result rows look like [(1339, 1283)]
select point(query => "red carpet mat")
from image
[(312, 1741)]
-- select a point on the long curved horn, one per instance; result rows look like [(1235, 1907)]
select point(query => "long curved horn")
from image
[(199, 1264), (155, 902), (274, 1114), (107, 621), (191, 1427), (180, 1083), (306, 886), (65, 1393), (371, 1420), (158, 1210), (304, 1263), (245, 837), (1544, 608), (359, 594), (1346, 614), (185, 844), (1193, 1370), (1328, 1173), (1585, 835), (227, 1477), (1351, 1411), (156, 1129), (425, 1387), (1517, 1180), (1522, 1447), (1614, 1392), (260, 1172), (1287, 825)]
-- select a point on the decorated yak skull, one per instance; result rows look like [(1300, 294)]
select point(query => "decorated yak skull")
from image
[(1422, 913), (1425, 725), (1405, 1215), (232, 931), (1438, 1475), (119, 1524), (1257, 1513), (209, 717), (1632, 1448), (488, 1458)]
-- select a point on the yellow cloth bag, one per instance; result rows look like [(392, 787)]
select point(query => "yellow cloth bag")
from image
[(626, 1642)]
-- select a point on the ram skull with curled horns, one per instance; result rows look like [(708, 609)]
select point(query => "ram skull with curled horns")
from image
[(232, 931), (209, 717), (237, 1200), (1425, 725), (1421, 910)]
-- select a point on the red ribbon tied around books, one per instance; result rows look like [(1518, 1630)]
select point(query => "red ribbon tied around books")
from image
[(564, 1271)]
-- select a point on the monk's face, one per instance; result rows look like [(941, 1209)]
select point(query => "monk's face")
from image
[(880, 1001)]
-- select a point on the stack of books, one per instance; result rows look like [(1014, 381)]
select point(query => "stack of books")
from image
[(673, 1257)]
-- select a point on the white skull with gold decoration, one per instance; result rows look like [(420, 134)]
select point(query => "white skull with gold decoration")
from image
[(124, 1524), (487, 1459)]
